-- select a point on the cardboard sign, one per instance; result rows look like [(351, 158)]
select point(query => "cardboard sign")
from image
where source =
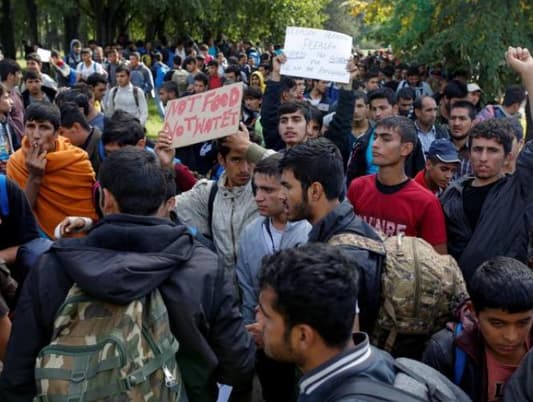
[(44, 54), (317, 54), (206, 116)]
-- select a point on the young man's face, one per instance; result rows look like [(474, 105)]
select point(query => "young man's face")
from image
[(112, 57), (252, 103), (292, 128), (276, 338), (505, 334), (313, 129), (299, 88), (230, 77), (321, 86), (267, 195), (34, 86), (165, 96), (238, 169), (360, 111), (294, 197), (41, 134), (487, 157), (199, 87), (405, 106), (33, 66), (372, 83), (86, 57), (460, 123), (99, 91), (6, 103), (123, 78), (14, 79), (381, 108), (191, 66), (428, 113), (387, 148), (134, 61), (413, 80), (440, 173), (212, 71), (473, 97)]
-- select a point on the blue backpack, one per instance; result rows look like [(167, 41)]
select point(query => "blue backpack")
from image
[(460, 358)]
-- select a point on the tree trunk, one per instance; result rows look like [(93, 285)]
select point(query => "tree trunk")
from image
[(33, 29), (71, 23), (7, 32)]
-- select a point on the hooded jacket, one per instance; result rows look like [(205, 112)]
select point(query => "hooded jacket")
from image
[(501, 229), (124, 258), (343, 220), (440, 354), (73, 58)]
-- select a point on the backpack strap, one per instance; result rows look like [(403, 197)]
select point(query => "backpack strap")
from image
[(4, 201), (210, 203), (113, 96), (136, 96), (370, 390), (357, 240), (460, 357)]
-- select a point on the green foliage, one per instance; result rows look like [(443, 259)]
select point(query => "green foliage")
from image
[(470, 35)]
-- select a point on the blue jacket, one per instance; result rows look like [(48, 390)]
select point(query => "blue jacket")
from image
[(252, 249)]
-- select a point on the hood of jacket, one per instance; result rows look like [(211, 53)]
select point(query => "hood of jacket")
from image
[(72, 43), (125, 257), (341, 220)]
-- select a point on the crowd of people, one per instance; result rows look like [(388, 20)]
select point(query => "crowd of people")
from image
[(346, 235)]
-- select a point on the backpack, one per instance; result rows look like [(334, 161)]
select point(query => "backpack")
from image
[(4, 200), (459, 361), (420, 288), (168, 75), (107, 352), (414, 382)]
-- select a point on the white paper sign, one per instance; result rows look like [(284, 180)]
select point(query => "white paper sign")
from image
[(317, 54), (205, 116), (44, 54)]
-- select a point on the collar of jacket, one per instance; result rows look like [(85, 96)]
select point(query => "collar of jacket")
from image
[(232, 192), (349, 359)]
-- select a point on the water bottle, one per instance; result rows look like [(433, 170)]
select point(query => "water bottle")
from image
[(4, 144)]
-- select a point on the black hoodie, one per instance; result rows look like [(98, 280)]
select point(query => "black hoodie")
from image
[(124, 258)]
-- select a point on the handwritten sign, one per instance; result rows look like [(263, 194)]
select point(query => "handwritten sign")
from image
[(317, 54), (44, 54), (205, 116)]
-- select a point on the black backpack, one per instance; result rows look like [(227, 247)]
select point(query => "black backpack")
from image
[(414, 382)]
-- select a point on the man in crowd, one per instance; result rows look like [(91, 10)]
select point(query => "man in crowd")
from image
[(389, 200), (415, 82), (266, 235), (98, 84), (127, 97), (514, 97), (494, 333), (307, 309), (200, 300), (10, 75), (405, 98), (35, 91), (140, 75), (88, 66), (460, 121), (56, 176), (453, 91), (442, 162), (317, 96), (425, 109), (34, 63)]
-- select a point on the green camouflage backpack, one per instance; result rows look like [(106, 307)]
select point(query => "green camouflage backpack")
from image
[(108, 352), (420, 289)]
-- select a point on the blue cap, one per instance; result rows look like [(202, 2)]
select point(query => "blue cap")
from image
[(444, 151)]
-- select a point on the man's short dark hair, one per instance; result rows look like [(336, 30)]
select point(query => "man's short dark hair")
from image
[(502, 283), (316, 160), (94, 79), (8, 66), (455, 89), (500, 130), (201, 77), (371, 74), (418, 103), (137, 55), (382, 93), (413, 70), (360, 95), (86, 50), (70, 114), (135, 179), (402, 125), (406, 93), (314, 285), (269, 166), (43, 111), (253, 93), (514, 94), (188, 60), (122, 128), (464, 104), (176, 60), (76, 96), (286, 84), (294, 107), (122, 68), (212, 63), (171, 86), (31, 75), (232, 68)]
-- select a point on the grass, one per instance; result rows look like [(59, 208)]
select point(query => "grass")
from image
[(154, 122)]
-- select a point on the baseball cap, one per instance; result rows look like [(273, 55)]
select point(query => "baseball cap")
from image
[(443, 150), (473, 87)]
